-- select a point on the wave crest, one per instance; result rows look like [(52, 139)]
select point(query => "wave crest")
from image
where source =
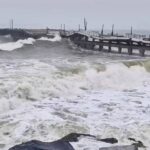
[(57, 38), (16, 45)]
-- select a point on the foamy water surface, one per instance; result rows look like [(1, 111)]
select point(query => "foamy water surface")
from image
[(75, 91)]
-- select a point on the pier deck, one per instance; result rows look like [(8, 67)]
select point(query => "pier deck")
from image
[(90, 42)]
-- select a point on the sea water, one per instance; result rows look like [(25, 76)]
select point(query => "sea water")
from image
[(50, 88)]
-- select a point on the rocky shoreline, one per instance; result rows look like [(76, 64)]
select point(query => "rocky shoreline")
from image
[(65, 144)]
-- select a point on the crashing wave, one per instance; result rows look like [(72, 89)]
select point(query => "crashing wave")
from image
[(57, 38), (111, 100), (16, 45), (50, 81)]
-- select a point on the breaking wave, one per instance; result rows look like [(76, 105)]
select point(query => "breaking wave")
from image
[(56, 38), (10, 46), (39, 80)]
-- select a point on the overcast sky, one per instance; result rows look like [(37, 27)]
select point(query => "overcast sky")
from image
[(52, 13)]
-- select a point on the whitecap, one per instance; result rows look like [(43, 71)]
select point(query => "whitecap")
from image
[(15, 45), (57, 38)]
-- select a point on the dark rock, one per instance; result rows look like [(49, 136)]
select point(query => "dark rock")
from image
[(128, 147), (38, 145), (73, 137), (109, 140), (64, 143), (137, 143)]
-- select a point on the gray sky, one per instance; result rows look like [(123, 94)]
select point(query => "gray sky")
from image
[(42, 13)]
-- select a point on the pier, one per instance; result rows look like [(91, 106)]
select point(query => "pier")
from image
[(108, 43)]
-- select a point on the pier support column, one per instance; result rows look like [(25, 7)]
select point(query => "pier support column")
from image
[(100, 45), (92, 46), (130, 50), (93, 43), (87, 46), (109, 47), (119, 49), (86, 40), (77, 41), (142, 52)]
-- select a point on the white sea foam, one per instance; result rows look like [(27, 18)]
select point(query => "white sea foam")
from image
[(48, 102), (15, 45), (56, 38)]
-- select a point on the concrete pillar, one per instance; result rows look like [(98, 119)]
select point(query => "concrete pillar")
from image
[(119, 49), (130, 47), (88, 46), (100, 45), (93, 43), (126, 147), (142, 52), (86, 40), (109, 47), (77, 41), (130, 50)]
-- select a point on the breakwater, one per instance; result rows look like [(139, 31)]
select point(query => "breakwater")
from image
[(17, 34)]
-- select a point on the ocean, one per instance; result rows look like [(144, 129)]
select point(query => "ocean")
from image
[(50, 88)]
